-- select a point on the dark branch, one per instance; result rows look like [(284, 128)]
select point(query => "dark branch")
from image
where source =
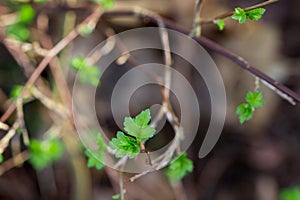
[(282, 90)]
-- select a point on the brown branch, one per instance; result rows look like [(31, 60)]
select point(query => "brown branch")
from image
[(58, 75), (287, 93), (196, 31), (228, 14), (4, 142), (4, 126), (21, 120), (44, 63), (15, 161)]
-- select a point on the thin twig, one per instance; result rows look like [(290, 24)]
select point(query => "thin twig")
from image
[(143, 150), (49, 103), (122, 190), (15, 161), (15, 146), (24, 61), (58, 76), (256, 83), (127, 57), (8, 136), (4, 126), (168, 60), (20, 118), (121, 162), (25, 46), (196, 31), (163, 160)]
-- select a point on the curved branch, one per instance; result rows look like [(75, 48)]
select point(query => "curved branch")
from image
[(274, 85)]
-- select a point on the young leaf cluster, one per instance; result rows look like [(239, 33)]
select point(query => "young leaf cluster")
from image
[(96, 157), (179, 167), (241, 15), (138, 130), (88, 74), (292, 193), (220, 23), (19, 30), (43, 153), (245, 111)]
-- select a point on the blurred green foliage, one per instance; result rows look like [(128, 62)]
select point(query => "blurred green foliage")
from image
[(292, 193), (179, 167), (43, 153)]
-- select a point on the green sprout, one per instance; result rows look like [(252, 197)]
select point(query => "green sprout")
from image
[(19, 30), (245, 111), (138, 130), (16, 92), (179, 167), (43, 153), (116, 196), (220, 23), (88, 74), (96, 157), (241, 15)]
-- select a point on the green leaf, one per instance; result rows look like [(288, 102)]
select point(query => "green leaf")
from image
[(239, 11), (106, 4), (245, 112), (95, 159), (1, 158), (220, 23), (255, 99), (292, 193), (89, 74), (86, 30), (179, 167), (139, 127), (18, 31), (143, 118), (124, 145), (77, 63), (101, 144), (16, 92), (239, 15), (116, 196), (255, 14), (43, 153), (26, 14)]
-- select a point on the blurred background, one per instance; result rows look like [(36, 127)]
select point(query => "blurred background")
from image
[(254, 161)]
